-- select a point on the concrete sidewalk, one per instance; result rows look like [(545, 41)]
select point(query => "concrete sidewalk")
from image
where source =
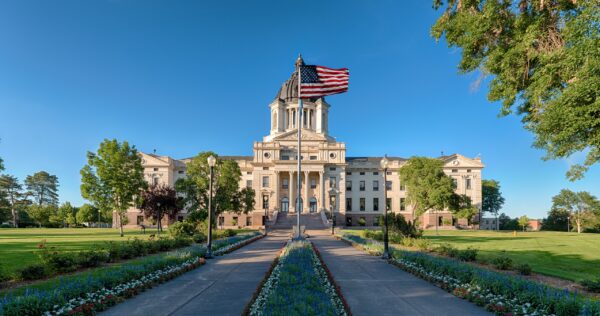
[(223, 286), (371, 286)]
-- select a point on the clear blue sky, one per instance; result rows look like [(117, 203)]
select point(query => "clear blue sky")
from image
[(187, 76)]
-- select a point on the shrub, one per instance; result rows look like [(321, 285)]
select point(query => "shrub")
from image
[(60, 261), (502, 262), (182, 229), (32, 272), (398, 224), (372, 234), (362, 222), (5, 226), (592, 285), (469, 254), (199, 238), (4, 275), (92, 258), (138, 247), (446, 250), (422, 244), (524, 269)]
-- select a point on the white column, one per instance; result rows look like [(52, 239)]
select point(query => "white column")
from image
[(306, 187), (291, 205), (322, 190)]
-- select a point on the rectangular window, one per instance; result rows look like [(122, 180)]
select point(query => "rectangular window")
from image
[(402, 204), (454, 170), (140, 219), (375, 173), (313, 183), (362, 173), (248, 183), (348, 185), (313, 157), (221, 221), (389, 173), (402, 187), (468, 183), (455, 182), (248, 221), (348, 204), (285, 157), (285, 184), (265, 168), (180, 171), (388, 185), (469, 170), (362, 185), (376, 221), (332, 182), (249, 172), (375, 185), (348, 173), (375, 204), (155, 169), (332, 169), (180, 218), (362, 204), (388, 204), (265, 182), (234, 221)]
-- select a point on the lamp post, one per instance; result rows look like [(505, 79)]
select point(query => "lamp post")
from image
[(265, 206), (332, 221), (211, 163), (386, 252)]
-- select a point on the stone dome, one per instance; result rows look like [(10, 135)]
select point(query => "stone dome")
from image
[(289, 89)]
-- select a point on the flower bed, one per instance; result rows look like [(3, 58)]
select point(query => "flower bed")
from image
[(92, 291), (496, 292), (281, 295)]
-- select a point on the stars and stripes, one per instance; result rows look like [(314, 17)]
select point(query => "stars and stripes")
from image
[(318, 81)]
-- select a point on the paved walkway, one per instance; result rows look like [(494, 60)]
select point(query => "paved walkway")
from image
[(223, 286), (373, 287)]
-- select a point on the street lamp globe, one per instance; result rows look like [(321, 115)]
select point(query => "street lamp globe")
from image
[(211, 160), (384, 163)]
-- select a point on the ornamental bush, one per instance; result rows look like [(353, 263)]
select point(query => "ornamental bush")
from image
[(469, 254), (502, 262), (92, 258), (524, 269), (592, 285), (32, 272), (59, 261), (182, 229)]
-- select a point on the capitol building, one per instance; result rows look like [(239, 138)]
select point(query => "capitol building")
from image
[(351, 187)]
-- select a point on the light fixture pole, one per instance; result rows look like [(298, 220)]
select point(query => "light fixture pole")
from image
[(211, 164), (332, 221), (266, 218), (386, 252)]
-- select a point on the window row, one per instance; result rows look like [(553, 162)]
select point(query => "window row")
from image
[(362, 204), (375, 185)]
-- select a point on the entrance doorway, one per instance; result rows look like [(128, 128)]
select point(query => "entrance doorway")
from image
[(313, 205), (285, 205)]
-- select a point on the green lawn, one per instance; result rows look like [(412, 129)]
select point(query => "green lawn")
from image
[(18, 247), (569, 256)]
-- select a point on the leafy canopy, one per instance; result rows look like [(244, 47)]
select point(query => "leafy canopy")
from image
[(160, 200), (226, 193), (11, 191), (87, 213), (43, 188), (544, 61), (492, 199), (583, 207), (113, 177), (428, 187)]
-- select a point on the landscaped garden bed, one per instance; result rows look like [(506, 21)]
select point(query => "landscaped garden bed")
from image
[(95, 290), (298, 283), (496, 292)]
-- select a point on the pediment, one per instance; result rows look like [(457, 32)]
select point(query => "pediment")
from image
[(306, 135), (152, 160), (457, 160)]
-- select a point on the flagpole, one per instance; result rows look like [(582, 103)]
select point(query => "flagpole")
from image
[(298, 204)]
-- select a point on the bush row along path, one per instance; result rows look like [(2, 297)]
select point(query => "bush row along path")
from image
[(371, 286), (225, 285)]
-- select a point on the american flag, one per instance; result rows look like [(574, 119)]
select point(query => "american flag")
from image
[(318, 81)]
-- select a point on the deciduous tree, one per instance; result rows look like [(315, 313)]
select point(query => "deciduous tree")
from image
[(42, 214), (42, 187), (582, 206), (461, 206), (87, 213), (557, 220), (492, 199), (428, 187), (159, 201), (544, 61), (226, 193), (113, 177), (523, 222)]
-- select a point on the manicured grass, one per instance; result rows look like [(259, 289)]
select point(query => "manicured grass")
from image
[(19, 247), (569, 256), (564, 255)]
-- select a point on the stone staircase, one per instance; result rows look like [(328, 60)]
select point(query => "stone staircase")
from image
[(310, 221)]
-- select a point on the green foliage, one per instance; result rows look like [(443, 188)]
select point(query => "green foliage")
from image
[(557, 220), (507, 223), (502, 262), (4, 275), (461, 207), (544, 59), (87, 213), (12, 194), (92, 258), (362, 222), (492, 199), (469, 254), (583, 207), (182, 229), (42, 215), (592, 285), (32, 272), (113, 177), (199, 238), (428, 187), (67, 214), (524, 269), (398, 225), (159, 201), (59, 261), (42, 187), (523, 222)]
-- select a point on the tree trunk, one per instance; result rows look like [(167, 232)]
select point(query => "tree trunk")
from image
[(497, 223), (14, 215), (578, 222), (121, 224)]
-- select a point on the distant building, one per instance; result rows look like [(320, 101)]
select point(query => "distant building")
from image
[(535, 224), (488, 223), (353, 187)]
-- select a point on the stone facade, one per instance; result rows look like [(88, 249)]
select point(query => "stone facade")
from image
[(351, 187)]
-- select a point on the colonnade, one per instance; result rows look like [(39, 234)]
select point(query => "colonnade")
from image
[(292, 186)]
